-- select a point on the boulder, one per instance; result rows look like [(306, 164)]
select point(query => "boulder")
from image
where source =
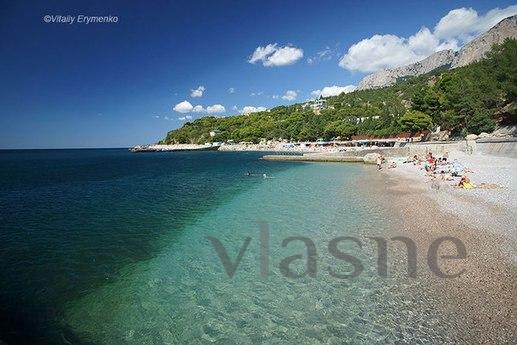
[(471, 137), (440, 136), (483, 135), (371, 158)]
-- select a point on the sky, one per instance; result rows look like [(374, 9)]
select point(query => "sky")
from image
[(129, 81)]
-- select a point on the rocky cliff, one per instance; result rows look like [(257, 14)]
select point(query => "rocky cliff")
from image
[(389, 76), (471, 52), (479, 47)]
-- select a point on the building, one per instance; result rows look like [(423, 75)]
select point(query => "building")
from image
[(317, 105)]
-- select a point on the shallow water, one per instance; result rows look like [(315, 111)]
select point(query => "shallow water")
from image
[(107, 247)]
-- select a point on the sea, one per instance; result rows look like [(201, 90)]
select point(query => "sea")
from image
[(104, 246)]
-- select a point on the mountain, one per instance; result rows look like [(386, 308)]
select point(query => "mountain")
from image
[(389, 76), (446, 59)]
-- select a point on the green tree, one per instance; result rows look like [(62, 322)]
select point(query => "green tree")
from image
[(338, 128), (480, 122), (413, 121)]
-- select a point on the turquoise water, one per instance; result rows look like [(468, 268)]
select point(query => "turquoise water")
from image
[(107, 247)]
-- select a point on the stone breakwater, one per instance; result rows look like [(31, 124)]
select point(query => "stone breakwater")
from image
[(172, 148)]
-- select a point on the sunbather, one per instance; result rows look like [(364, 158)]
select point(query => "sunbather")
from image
[(465, 183)]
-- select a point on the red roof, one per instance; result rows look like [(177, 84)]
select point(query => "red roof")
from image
[(402, 135)]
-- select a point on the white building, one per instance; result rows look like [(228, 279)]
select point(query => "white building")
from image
[(317, 105)]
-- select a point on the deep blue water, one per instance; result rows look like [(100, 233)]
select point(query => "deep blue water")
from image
[(70, 219)]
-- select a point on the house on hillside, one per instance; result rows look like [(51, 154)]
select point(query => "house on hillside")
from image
[(317, 105)]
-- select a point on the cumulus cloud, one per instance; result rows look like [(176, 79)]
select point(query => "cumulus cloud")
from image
[(452, 31), (197, 92), (274, 55), (465, 23), (456, 23), (215, 109), (290, 95), (251, 109), (198, 109), (333, 90), (183, 107), (378, 52)]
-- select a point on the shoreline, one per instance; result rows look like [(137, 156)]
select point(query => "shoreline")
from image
[(480, 304)]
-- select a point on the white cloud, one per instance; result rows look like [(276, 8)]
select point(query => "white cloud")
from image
[(183, 118), (183, 107), (253, 94), (452, 31), (333, 90), (231, 90), (465, 23), (274, 55), (215, 109), (156, 116), (198, 109), (235, 108), (197, 92), (251, 109), (423, 42), (290, 95), (378, 52), (456, 23), (275, 96)]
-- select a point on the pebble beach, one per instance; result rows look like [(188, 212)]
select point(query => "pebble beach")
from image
[(481, 302)]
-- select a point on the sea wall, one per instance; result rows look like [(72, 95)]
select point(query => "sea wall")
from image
[(506, 148), (501, 148)]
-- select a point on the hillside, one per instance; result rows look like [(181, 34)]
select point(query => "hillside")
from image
[(469, 99)]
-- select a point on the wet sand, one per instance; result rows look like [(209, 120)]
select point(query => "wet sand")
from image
[(479, 305)]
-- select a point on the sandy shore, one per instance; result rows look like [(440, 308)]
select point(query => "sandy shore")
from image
[(479, 306)]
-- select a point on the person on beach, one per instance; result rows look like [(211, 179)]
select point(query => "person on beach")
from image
[(379, 162), (465, 183)]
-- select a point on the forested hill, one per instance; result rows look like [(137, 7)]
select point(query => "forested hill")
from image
[(470, 99)]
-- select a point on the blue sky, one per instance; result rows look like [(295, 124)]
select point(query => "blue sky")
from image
[(117, 84)]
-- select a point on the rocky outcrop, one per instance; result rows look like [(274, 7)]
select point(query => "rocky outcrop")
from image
[(371, 158), (389, 76), (479, 47), (471, 52)]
